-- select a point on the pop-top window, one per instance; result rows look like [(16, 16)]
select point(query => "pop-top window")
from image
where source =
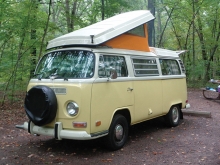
[(66, 64), (139, 31), (116, 62), (145, 67), (169, 67)]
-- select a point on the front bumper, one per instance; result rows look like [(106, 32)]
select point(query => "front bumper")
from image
[(57, 132)]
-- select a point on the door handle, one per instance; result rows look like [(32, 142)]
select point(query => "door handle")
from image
[(130, 89)]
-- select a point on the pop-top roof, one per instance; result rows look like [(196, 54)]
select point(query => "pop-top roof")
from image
[(166, 52), (104, 30)]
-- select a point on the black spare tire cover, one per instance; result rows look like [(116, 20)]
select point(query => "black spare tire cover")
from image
[(40, 105)]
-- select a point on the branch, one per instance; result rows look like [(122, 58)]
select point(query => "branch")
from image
[(45, 30), (169, 16)]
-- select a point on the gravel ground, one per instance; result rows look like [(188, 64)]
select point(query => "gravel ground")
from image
[(194, 141)]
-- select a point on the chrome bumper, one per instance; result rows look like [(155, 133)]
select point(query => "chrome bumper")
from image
[(187, 105), (57, 132)]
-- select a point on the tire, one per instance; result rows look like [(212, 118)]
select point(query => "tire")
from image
[(172, 119), (40, 105), (118, 133)]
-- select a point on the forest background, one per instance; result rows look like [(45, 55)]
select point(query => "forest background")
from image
[(27, 25)]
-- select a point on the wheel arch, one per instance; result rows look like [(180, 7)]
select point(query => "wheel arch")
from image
[(124, 112), (180, 108), (179, 104)]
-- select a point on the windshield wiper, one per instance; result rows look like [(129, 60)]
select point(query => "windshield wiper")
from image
[(53, 76), (37, 75)]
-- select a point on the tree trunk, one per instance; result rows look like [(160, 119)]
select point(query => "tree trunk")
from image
[(151, 30), (193, 35), (103, 10), (67, 11), (33, 38), (169, 16), (159, 26), (45, 30), (73, 14), (70, 15)]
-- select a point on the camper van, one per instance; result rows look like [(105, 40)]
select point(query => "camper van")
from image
[(99, 80)]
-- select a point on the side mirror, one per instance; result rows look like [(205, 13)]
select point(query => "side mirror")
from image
[(113, 73)]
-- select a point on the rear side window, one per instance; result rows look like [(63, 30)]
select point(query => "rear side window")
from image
[(145, 67), (182, 66), (169, 67)]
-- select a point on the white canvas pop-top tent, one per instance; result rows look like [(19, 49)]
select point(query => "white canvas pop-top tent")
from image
[(126, 31)]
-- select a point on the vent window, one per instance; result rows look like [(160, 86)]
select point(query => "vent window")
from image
[(145, 67)]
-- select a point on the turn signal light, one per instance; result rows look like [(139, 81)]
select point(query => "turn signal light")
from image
[(98, 123), (79, 124)]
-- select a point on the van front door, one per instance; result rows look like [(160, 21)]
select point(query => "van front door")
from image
[(110, 95)]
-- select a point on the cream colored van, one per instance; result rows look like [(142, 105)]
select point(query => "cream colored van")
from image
[(99, 80)]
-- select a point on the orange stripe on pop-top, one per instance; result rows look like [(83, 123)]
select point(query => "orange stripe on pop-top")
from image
[(129, 41)]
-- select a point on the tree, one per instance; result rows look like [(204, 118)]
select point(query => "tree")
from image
[(151, 30), (26, 26)]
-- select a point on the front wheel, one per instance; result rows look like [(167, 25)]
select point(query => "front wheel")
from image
[(118, 133), (173, 117)]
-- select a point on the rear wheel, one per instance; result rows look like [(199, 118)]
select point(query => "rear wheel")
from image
[(118, 133), (173, 117)]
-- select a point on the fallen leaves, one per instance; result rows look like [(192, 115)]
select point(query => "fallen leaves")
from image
[(107, 160), (156, 153), (32, 155)]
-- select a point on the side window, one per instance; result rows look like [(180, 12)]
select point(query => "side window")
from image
[(145, 67), (182, 66), (169, 67), (116, 62)]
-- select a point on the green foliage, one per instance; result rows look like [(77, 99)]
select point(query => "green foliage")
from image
[(24, 27), (195, 74)]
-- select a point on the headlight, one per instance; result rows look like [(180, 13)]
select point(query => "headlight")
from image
[(72, 109)]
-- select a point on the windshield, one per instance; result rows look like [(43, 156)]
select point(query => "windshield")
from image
[(66, 64)]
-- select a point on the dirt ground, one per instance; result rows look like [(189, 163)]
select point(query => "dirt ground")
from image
[(195, 141)]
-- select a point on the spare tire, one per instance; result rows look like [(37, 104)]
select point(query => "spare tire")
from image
[(40, 105)]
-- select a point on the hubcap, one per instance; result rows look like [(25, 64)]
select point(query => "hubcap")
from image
[(175, 114), (119, 132)]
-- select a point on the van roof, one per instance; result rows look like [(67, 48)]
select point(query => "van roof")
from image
[(166, 53), (103, 31), (153, 53)]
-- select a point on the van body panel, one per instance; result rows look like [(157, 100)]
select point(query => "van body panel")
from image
[(107, 98), (148, 99), (174, 92)]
